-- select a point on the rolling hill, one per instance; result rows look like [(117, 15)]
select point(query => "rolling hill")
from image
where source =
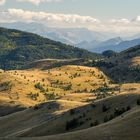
[(124, 66), (20, 89), (19, 48), (53, 91), (102, 119)]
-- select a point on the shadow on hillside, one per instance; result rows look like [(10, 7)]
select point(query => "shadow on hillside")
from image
[(6, 110), (120, 72), (46, 64)]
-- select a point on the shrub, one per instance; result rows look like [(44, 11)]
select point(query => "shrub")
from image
[(105, 108), (93, 105), (50, 96), (106, 119), (96, 123), (5, 86), (91, 124), (138, 101), (68, 87), (128, 108), (111, 117), (119, 111), (72, 111), (36, 107), (40, 87), (72, 124), (84, 115), (33, 96)]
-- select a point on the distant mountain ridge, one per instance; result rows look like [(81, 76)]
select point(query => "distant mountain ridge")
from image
[(100, 46), (121, 46), (115, 44), (65, 35), (19, 48), (80, 37)]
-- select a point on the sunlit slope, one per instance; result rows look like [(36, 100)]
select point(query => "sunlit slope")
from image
[(25, 88), (63, 80)]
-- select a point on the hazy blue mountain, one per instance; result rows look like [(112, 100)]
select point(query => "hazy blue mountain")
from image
[(99, 45), (79, 37), (114, 44), (113, 41), (135, 36), (88, 45), (117, 47), (65, 35)]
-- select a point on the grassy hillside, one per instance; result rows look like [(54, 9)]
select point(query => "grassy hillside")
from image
[(123, 67), (122, 128), (33, 86), (101, 119), (64, 99), (45, 64), (19, 48)]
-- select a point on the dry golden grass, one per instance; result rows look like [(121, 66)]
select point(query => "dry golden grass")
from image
[(135, 61), (126, 128), (91, 114), (54, 81), (32, 117), (51, 118), (82, 80)]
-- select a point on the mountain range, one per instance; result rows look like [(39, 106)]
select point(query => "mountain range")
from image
[(50, 90), (65, 35), (18, 48), (80, 37)]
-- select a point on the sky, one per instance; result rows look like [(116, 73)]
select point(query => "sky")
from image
[(99, 15)]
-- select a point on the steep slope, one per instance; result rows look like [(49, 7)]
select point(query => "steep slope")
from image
[(18, 48)]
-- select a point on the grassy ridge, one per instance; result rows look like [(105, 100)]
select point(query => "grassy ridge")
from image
[(19, 48)]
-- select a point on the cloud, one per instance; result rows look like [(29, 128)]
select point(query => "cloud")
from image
[(120, 21), (61, 20), (137, 19), (71, 21), (37, 2), (2, 2)]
